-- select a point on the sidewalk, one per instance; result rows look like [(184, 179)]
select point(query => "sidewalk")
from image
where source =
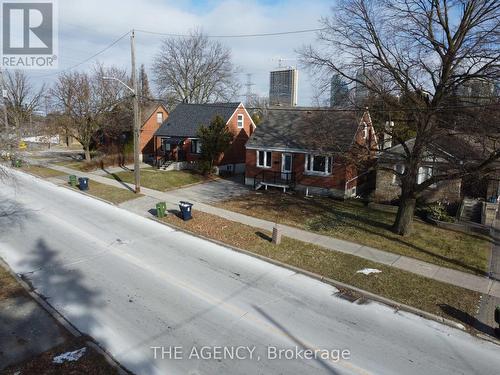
[(486, 315), (479, 284)]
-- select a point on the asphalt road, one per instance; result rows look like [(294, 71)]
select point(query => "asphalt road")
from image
[(134, 284)]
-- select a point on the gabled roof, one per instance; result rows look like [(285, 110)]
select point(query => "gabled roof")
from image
[(149, 110), (186, 119), (301, 129)]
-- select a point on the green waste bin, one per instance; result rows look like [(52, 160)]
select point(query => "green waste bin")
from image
[(161, 209), (73, 180), (17, 163), (497, 314)]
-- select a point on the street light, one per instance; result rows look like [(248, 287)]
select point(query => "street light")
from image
[(136, 132)]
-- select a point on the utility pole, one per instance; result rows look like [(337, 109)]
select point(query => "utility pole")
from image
[(137, 126)]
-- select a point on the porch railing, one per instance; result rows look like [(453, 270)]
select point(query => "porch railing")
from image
[(276, 178)]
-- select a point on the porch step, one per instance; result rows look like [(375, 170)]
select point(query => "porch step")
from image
[(471, 210), (165, 165)]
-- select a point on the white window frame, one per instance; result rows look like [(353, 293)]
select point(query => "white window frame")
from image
[(310, 161), (197, 150), (241, 120), (266, 160), (424, 176), (400, 168), (158, 117)]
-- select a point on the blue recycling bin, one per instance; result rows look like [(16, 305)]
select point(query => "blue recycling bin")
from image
[(83, 183), (186, 210)]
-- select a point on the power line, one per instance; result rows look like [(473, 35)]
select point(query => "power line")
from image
[(87, 59), (235, 35)]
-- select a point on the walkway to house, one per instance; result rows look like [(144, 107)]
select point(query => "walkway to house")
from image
[(144, 206)]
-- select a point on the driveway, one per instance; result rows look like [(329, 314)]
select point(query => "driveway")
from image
[(164, 302), (214, 191)]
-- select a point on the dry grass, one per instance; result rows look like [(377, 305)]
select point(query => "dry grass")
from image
[(9, 287), (160, 180), (352, 221), (404, 287), (110, 193), (90, 363), (42, 171)]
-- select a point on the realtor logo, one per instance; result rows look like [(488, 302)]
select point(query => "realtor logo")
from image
[(29, 34)]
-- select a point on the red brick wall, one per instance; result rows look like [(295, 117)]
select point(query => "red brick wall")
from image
[(335, 181), (236, 152), (146, 142)]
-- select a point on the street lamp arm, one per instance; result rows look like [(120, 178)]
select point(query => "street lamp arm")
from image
[(123, 83)]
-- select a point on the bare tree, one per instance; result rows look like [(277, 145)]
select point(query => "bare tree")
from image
[(195, 70), (413, 55), (22, 98), (86, 99)]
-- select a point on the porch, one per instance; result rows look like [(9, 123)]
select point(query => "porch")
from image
[(281, 180)]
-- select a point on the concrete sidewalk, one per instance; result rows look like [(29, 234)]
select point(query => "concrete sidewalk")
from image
[(479, 284)]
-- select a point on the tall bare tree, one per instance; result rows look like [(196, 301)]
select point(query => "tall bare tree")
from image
[(23, 98), (86, 98), (195, 70), (413, 56)]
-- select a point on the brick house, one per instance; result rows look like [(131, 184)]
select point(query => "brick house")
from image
[(152, 117), (387, 186), (311, 150), (177, 139)]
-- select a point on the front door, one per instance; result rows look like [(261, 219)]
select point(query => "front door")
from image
[(286, 166)]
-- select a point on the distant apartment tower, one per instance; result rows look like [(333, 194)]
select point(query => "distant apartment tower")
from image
[(339, 92), (283, 87)]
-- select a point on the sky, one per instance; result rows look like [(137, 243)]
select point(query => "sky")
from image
[(86, 27)]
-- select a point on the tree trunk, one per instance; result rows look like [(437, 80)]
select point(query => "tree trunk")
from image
[(87, 153), (404, 219)]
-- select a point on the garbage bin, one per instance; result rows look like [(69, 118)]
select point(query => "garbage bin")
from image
[(83, 183), (185, 208), (73, 180), (161, 209), (17, 163), (497, 314)]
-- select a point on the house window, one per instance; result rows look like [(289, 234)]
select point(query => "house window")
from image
[(159, 117), (241, 121), (264, 159), (424, 173), (195, 146), (319, 164), (399, 168)]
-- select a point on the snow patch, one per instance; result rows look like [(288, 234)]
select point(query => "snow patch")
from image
[(368, 271), (70, 356)]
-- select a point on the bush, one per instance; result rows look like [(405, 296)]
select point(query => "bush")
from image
[(439, 211), (114, 160)]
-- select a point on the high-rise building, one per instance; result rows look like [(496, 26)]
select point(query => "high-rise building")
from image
[(283, 87), (339, 92)]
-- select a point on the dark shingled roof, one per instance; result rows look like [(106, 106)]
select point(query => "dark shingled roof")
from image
[(306, 130), (186, 119)]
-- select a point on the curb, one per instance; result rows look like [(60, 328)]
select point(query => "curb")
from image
[(339, 285), (62, 320)]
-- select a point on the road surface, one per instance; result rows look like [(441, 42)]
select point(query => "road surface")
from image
[(160, 300)]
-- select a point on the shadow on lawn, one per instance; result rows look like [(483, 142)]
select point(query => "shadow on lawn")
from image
[(117, 178), (324, 217)]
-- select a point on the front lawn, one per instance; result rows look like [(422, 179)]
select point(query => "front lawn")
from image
[(110, 193), (353, 221), (160, 180), (42, 171), (404, 287)]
